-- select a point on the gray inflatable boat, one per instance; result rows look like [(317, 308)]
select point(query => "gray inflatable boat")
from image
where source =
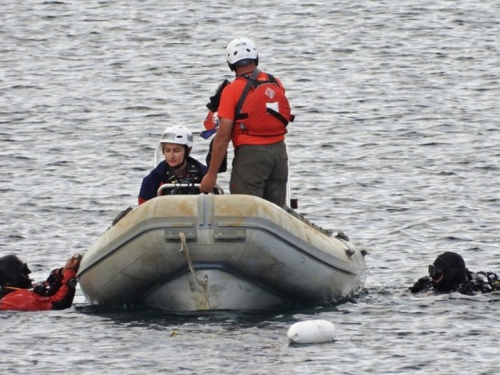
[(185, 253)]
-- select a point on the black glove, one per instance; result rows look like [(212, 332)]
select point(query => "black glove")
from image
[(421, 284), (51, 285), (215, 99)]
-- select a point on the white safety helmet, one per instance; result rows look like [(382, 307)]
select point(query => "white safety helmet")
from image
[(177, 134), (241, 49)]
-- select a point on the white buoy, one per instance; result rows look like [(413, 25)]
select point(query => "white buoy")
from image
[(311, 331)]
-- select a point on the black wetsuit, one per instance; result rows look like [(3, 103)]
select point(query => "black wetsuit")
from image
[(473, 284)]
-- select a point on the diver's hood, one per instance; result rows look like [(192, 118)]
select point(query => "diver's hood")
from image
[(454, 271), (14, 273)]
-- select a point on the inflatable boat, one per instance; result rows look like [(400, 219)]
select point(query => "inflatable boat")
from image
[(185, 253)]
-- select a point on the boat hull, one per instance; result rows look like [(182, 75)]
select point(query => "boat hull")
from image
[(217, 252)]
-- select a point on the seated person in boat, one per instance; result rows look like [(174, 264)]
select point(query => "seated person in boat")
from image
[(178, 167), (18, 293), (449, 274)]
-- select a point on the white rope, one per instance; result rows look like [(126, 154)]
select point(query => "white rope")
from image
[(202, 283)]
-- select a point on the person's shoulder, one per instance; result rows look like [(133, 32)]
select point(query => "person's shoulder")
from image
[(233, 90), (156, 172), (268, 77), (278, 81), (12, 300), (160, 168), (261, 76), (196, 163), (237, 84)]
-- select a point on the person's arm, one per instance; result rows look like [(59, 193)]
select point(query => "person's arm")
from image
[(421, 284), (63, 298), (219, 149), (149, 187)]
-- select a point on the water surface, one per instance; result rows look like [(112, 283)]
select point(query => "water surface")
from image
[(396, 143)]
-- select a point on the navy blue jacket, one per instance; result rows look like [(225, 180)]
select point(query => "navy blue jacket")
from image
[(163, 174)]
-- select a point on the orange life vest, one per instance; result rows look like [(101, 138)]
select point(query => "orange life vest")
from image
[(263, 108)]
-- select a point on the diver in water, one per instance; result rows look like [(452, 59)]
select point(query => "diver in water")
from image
[(17, 292), (449, 274)]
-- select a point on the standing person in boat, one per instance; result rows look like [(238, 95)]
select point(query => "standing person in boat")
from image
[(18, 293), (252, 112), (449, 274), (178, 167)]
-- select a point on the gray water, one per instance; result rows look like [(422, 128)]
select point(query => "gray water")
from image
[(396, 143)]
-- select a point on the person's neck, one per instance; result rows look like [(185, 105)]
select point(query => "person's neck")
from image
[(249, 69), (180, 170)]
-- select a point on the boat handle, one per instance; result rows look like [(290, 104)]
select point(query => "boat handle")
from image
[(217, 188)]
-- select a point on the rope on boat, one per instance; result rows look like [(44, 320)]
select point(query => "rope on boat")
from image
[(202, 283)]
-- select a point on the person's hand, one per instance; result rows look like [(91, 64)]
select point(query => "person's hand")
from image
[(73, 263), (207, 183), (420, 285)]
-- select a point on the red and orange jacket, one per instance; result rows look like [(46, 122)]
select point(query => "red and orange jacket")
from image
[(59, 297)]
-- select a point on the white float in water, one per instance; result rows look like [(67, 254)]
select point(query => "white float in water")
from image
[(311, 331)]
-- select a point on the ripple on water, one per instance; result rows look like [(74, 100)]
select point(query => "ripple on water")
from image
[(395, 143)]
